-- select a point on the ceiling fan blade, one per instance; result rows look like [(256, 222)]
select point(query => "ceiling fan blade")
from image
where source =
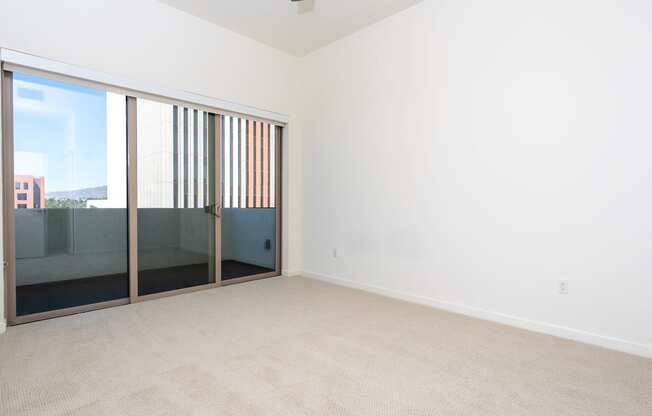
[(304, 6)]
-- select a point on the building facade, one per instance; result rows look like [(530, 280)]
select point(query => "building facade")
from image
[(29, 191)]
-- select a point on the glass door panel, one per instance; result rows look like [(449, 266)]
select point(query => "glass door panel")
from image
[(176, 197), (70, 195), (249, 207)]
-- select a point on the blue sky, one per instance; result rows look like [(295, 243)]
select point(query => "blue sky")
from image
[(64, 125)]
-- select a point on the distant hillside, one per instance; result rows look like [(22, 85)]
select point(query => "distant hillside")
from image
[(99, 192)]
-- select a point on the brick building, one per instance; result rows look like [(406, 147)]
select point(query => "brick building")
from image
[(29, 191)]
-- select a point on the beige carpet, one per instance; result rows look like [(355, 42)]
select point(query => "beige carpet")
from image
[(292, 346)]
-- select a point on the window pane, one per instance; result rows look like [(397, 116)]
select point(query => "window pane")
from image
[(176, 237), (249, 184), (71, 223)]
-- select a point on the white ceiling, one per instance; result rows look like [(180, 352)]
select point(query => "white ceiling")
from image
[(277, 23)]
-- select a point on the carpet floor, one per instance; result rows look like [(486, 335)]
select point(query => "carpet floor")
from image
[(294, 346)]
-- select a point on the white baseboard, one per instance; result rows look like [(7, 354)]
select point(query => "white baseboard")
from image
[(290, 273), (3, 325), (536, 326)]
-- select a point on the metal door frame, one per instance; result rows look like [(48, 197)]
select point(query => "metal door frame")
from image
[(8, 217)]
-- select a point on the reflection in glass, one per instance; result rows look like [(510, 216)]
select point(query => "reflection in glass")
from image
[(248, 197), (176, 165), (70, 195)]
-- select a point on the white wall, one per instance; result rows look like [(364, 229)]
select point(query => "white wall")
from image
[(471, 154), (146, 40)]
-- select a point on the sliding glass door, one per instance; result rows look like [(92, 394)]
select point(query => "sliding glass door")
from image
[(112, 198), (250, 218), (65, 200), (176, 187)]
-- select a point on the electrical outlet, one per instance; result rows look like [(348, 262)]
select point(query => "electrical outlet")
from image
[(563, 287), (334, 253)]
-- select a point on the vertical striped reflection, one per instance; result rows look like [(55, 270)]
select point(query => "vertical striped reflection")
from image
[(226, 162), (173, 159), (195, 158), (175, 156), (235, 162), (265, 167), (242, 188), (185, 158), (248, 163), (272, 167), (259, 165), (230, 167), (205, 154)]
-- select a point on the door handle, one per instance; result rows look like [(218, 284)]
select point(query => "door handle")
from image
[(213, 209)]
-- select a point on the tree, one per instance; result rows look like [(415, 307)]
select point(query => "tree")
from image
[(65, 203)]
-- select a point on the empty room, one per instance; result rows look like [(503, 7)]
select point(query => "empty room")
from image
[(326, 207)]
